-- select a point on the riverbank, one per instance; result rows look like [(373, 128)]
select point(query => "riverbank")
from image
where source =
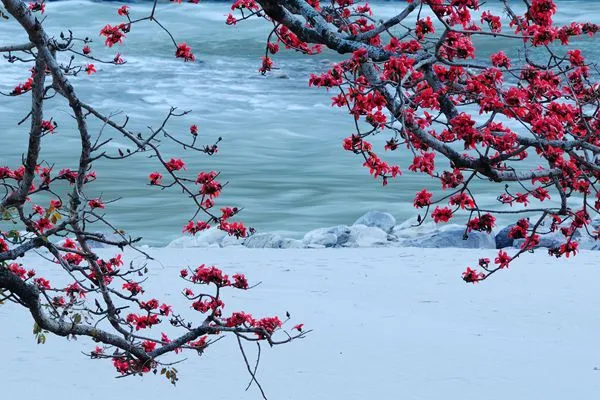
[(387, 322)]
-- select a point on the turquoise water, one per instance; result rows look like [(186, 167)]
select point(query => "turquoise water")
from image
[(281, 150)]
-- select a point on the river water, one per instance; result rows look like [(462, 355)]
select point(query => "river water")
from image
[(281, 150)]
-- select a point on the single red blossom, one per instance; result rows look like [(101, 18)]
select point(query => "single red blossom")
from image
[(96, 203), (155, 178), (184, 51), (472, 276), (118, 60), (230, 20), (441, 214), (500, 60), (424, 27), (240, 281), (194, 130), (503, 259), (90, 69), (73, 289), (462, 200), (123, 10), (422, 199), (3, 245), (165, 310), (199, 344), (42, 283), (133, 287), (148, 346), (38, 6), (43, 224), (267, 65), (86, 50), (298, 327)]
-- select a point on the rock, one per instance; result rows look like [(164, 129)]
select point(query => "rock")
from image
[(547, 241), (551, 240), (334, 236), (377, 219), (502, 239), (292, 244), (209, 238), (411, 229), (229, 241), (453, 236), (265, 240), (366, 236)]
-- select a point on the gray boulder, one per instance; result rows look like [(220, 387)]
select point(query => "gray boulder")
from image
[(265, 240), (453, 237), (334, 236), (548, 241), (209, 238), (502, 239), (366, 236), (382, 220)]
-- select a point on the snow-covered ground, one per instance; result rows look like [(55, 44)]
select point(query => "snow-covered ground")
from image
[(388, 323)]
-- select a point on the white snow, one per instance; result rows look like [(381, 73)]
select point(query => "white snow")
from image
[(389, 323)]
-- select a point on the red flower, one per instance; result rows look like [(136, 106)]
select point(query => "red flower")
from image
[(38, 6), (155, 178), (43, 224), (503, 259), (194, 130), (298, 327), (462, 200), (114, 34), (184, 51), (96, 203), (424, 26), (148, 346), (175, 164), (422, 199), (472, 276), (441, 214), (123, 10), (90, 69), (133, 287), (240, 281), (86, 50), (231, 20), (500, 60), (194, 228), (424, 163), (267, 65)]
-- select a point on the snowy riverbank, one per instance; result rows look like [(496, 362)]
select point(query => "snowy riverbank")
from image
[(388, 323)]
